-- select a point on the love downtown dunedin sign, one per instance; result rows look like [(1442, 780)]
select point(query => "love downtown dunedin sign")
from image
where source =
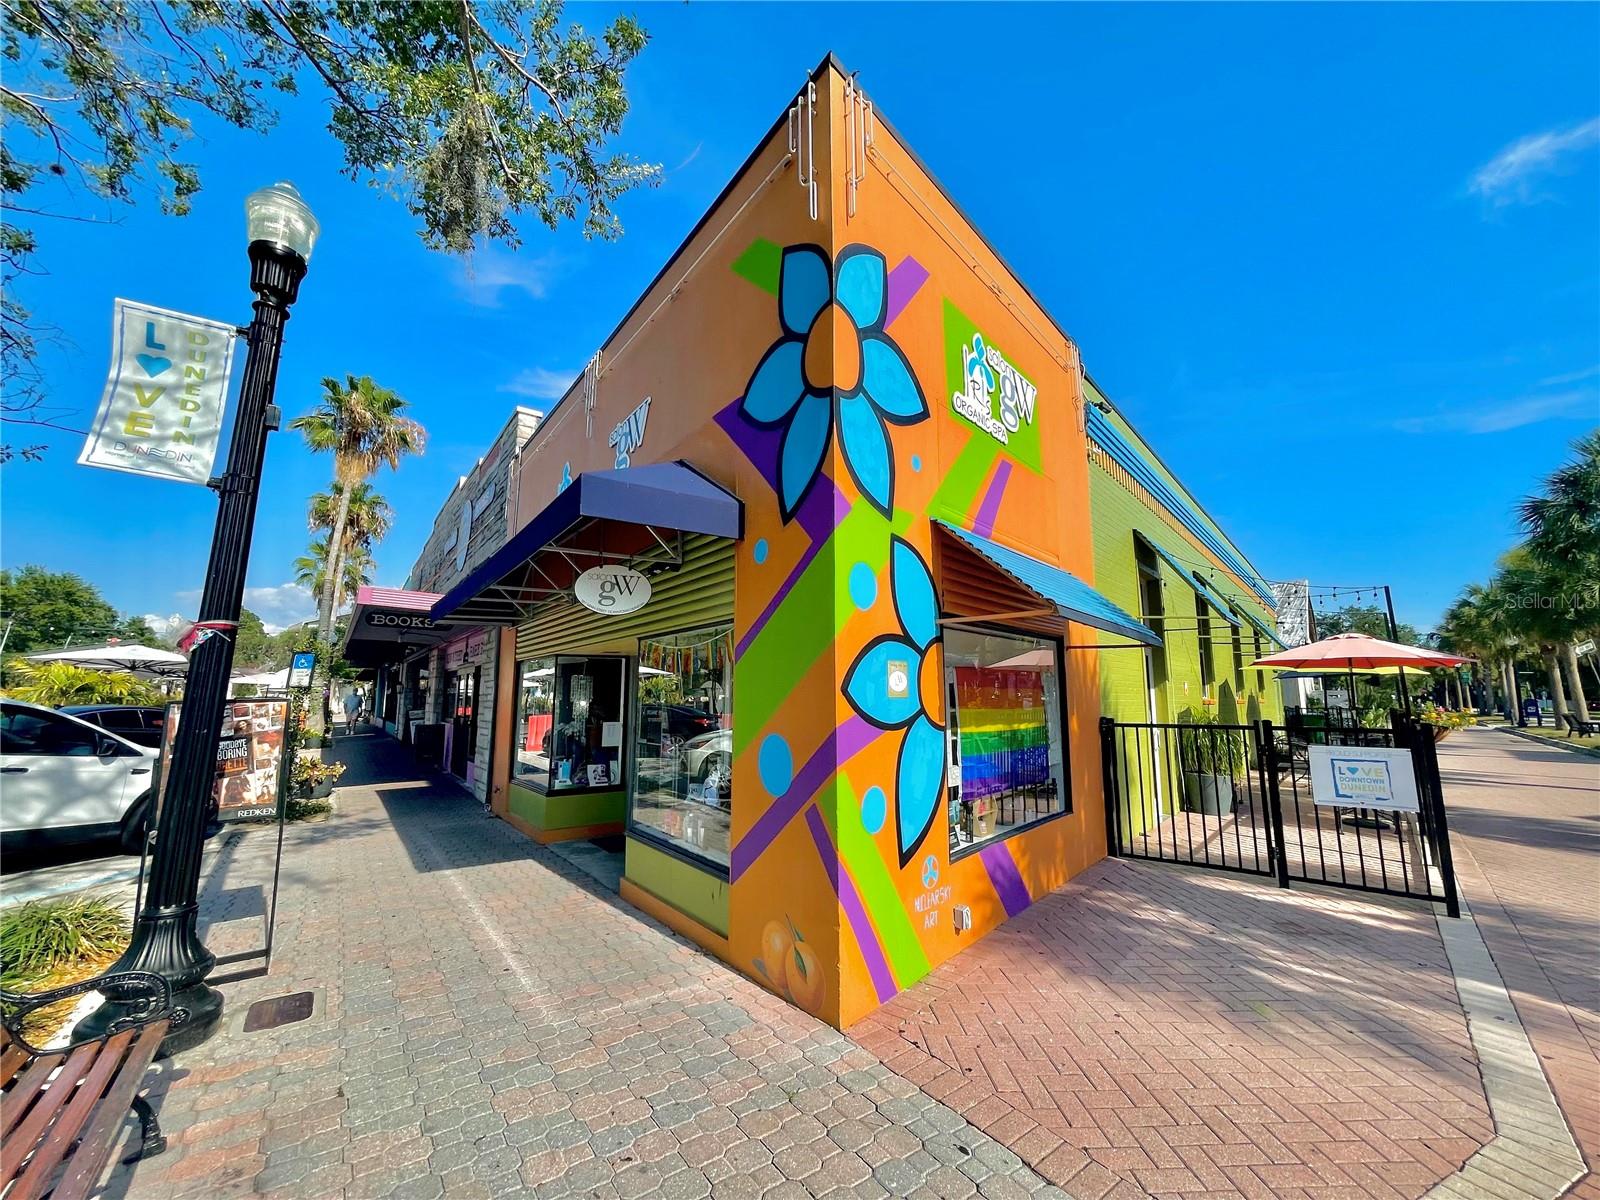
[(161, 413)]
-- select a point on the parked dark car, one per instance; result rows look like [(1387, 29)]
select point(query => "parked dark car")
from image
[(135, 723)]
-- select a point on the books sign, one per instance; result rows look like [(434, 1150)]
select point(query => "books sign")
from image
[(162, 409), (1363, 777)]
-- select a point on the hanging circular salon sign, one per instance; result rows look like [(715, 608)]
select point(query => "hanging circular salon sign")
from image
[(612, 590)]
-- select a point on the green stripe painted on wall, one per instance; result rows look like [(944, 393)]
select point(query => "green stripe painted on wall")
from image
[(861, 857), (761, 263), (566, 812), (964, 477), (693, 892)]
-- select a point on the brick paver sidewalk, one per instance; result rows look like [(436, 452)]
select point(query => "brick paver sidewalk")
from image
[(1168, 1030), (489, 1023), (1525, 825)]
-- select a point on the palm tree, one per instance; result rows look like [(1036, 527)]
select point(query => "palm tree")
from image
[(1466, 629), (368, 517), (1563, 527), (363, 426), (355, 569)]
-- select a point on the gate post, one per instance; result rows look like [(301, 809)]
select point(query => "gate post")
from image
[(1425, 754), (1108, 783), (1267, 756)]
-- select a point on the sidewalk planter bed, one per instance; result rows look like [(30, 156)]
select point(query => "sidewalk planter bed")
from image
[(796, 585), (311, 779)]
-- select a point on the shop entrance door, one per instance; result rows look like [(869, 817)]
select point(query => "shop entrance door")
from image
[(461, 695)]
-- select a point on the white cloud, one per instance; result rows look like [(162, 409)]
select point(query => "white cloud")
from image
[(540, 383), (1510, 414), (278, 607), (168, 626), (487, 275), (1570, 377), (1510, 177)]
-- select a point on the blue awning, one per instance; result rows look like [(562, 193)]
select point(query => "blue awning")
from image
[(1193, 578), (1070, 597), (1261, 627), (631, 516)]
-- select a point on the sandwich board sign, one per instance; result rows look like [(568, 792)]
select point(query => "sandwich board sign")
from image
[(1377, 777)]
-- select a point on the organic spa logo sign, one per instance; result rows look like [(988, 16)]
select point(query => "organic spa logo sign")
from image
[(987, 390)]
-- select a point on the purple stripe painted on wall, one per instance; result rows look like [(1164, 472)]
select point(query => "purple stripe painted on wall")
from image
[(989, 510), (905, 281), (1007, 880), (819, 513), (844, 742), (855, 912)]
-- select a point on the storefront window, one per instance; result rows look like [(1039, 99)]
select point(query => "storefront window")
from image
[(570, 718), (1003, 693), (683, 754)]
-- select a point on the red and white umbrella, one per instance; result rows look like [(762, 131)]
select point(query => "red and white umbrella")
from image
[(1352, 652)]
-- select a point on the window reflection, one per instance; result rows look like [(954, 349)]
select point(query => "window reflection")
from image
[(570, 721), (683, 751), (1003, 694)]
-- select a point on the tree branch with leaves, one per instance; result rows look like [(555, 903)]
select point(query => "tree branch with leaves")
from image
[(477, 114)]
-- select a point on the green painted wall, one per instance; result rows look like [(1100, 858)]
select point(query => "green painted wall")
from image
[(566, 812), (1117, 514), (670, 879)]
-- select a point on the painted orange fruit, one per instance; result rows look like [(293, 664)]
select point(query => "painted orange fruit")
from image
[(777, 951), (806, 984)]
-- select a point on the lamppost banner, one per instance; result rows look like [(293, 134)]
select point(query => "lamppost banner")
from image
[(162, 409)]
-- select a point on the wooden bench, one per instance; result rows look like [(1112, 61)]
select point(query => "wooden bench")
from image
[(61, 1110), (1575, 726)]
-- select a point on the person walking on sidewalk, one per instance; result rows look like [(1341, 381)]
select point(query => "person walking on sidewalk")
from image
[(352, 706)]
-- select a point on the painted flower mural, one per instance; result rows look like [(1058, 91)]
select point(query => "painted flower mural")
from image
[(834, 364), (885, 686)]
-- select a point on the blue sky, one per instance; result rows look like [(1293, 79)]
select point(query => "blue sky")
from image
[(1340, 264)]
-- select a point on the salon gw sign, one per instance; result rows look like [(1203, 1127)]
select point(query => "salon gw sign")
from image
[(987, 390), (162, 409)]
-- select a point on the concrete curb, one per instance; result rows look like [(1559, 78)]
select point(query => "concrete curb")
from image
[(1541, 741), (1532, 1155)]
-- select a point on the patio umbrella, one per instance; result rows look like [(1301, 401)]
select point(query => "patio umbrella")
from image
[(1352, 652), (273, 680), (145, 662)]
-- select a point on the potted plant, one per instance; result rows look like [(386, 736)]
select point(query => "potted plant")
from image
[(1443, 721), (1211, 758), (313, 780)]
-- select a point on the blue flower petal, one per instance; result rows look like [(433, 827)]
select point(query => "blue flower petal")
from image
[(888, 382), (866, 685), (803, 288), (804, 442), (859, 285), (913, 594), (777, 385), (920, 784), (866, 451)]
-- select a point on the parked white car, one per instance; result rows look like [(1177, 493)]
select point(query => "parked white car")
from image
[(65, 780)]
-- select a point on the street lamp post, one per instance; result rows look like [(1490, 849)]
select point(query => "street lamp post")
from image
[(165, 941)]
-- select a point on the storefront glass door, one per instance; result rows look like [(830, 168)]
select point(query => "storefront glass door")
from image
[(461, 712)]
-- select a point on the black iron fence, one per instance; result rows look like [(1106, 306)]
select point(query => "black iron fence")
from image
[(1239, 798)]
